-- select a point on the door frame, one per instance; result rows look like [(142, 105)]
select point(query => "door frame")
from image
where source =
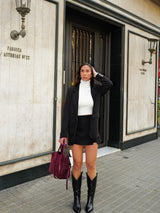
[(118, 129)]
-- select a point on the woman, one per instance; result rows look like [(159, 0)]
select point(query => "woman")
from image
[(80, 125)]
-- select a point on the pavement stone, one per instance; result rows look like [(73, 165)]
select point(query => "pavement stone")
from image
[(128, 182)]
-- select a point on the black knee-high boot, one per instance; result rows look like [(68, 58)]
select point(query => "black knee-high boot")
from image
[(91, 191), (76, 184)]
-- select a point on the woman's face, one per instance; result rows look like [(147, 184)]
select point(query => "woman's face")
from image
[(86, 73)]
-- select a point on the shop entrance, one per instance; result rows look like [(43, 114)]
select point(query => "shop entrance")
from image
[(89, 40)]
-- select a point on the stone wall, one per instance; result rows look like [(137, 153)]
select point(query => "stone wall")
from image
[(29, 69)]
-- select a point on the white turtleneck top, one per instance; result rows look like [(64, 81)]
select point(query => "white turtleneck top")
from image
[(85, 101)]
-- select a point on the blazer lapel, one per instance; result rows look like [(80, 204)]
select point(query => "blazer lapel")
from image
[(75, 99), (93, 93)]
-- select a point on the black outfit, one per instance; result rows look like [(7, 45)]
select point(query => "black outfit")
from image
[(72, 123)]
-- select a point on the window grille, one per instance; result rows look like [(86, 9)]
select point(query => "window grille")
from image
[(82, 49)]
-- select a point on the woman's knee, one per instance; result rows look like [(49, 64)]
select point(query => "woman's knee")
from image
[(77, 165), (90, 165)]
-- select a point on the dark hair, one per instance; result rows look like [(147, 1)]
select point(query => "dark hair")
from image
[(78, 76)]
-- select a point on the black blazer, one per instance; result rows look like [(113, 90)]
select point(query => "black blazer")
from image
[(70, 113)]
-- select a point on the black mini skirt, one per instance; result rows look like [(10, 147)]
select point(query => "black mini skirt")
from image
[(83, 128)]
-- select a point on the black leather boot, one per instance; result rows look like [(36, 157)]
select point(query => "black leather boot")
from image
[(76, 184), (91, 191)]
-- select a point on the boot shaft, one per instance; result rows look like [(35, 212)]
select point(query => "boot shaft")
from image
[(76, 183), (91, 184)]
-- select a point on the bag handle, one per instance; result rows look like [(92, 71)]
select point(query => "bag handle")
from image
[(64, 149), (61, 147)]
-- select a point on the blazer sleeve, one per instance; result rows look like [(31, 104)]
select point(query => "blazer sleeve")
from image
[(65, 117), (106, 83)]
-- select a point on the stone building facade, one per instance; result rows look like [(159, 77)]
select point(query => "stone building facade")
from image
[(35, 72)]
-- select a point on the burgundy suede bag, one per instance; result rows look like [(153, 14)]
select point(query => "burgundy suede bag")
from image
[(60, 165)]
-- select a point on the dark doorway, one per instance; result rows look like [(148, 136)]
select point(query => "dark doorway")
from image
[(89, 40)]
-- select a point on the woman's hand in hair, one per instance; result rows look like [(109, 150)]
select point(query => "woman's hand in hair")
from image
[(63, 140), (94, 72)]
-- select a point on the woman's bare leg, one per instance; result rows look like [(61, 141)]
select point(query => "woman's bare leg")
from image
[(77, 152), (91, 155)]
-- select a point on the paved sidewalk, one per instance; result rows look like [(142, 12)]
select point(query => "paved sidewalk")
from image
[(128, 182)]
